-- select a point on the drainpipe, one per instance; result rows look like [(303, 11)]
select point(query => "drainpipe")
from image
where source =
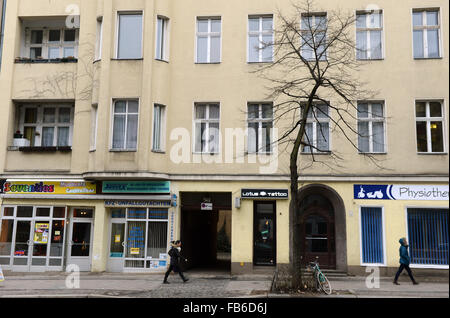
[(2, 27)]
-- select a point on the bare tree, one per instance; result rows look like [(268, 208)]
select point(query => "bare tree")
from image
[(314, 75)]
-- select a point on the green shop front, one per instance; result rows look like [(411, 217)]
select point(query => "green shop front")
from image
[(141, 224)]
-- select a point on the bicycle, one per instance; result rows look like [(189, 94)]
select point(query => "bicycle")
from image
[(322, 282)]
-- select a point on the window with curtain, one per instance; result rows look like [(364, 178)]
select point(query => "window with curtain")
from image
[(260, 38), (314, 37), (426, 33), (129, 39), (430, 126), (125, 124), (51, 43), (372, 241), (260, 124), (158, 127), (371, 127), (47, 125), (208, 40), (161, 38), (369, 35), (206, 125), (317, 132)]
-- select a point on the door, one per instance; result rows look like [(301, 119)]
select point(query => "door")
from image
[(22, 245), (264, 250), (318, 243), (39, 245), (80, 238), (117, 247)]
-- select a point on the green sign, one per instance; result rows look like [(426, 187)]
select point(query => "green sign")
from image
[(136, 187)]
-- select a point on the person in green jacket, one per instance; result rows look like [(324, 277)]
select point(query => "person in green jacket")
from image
[(404, 262)]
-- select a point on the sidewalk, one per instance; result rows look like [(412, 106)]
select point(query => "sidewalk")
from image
[(200, 285)]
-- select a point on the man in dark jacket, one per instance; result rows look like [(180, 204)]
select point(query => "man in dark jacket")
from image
[(404, 261), (175, 257)]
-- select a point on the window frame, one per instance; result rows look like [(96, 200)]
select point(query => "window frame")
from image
[(209, 34), (39, 124), (383, 227), (314, 120), (163, 55), (99, 40), (208, 121), (370, 120), (313, 15), (124, 12), (162, 128), (47, 44), (424, 28), (367, 29), (260, 34), (113, 113), (260, 120), (428, 120)]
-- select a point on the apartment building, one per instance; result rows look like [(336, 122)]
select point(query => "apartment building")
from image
[(115, 128)]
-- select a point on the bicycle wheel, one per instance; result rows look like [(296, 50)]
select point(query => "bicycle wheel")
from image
[(324, 283)]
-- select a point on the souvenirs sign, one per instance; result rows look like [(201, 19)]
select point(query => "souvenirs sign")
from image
[(48, 187)]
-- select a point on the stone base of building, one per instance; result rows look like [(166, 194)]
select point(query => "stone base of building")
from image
[(432, 274)]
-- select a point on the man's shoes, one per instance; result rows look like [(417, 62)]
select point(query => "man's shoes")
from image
[(415, 283), (185, 280), (396, 283), (166, 282)]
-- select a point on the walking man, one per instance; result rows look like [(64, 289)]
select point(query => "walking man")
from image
[(404, 262), (175, 257)]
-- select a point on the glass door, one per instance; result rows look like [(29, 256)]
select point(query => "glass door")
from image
[(22, 244), (117, 247), (39, 243), (79, 251), (264, 251)]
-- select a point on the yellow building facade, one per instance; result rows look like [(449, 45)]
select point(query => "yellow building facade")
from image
[(105, 106)]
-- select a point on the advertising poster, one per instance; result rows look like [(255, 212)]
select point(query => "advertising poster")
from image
[(41, 233), (2, 278)]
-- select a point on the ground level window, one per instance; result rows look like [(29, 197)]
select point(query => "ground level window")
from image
[(428, 236), (372, 235)]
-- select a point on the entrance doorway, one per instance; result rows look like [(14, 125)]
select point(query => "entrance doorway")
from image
[(80, 238), (318, 231), (206, 234), (264, 251)]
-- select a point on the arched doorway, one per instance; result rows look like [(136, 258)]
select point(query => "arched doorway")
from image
[(323, 226), (318, 231)]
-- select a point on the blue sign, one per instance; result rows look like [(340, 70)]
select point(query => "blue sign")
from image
[(372, 191), (427, 192)]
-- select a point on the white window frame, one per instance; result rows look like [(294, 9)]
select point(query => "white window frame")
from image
[(119, 13), (127, 100), (163, 55), (94, 125), (46, 44), (39, 125), (260, 120), (314, 120), (99, 39), (367, 29), (209, 35), (370, 119), (314, 17), (424, 27), (383, 224), (260, 33), (162, 128), (206, 121), (428, 121)]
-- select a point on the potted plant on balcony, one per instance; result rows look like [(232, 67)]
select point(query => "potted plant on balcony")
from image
[(19, 141)]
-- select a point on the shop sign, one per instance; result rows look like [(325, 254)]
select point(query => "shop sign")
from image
[(48, 187), (264, 193), (400, 192), (206, 206), (136, 203), (136, 187)]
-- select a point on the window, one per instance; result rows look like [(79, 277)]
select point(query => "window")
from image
[(426, 37), (98, 43), (313, 37), (429, 126), (317, 132), (162, 38), (47, 125), (129, 40), (51, 43), (158, 127), (372, 242), (94, 119), (125, 124), (208, 40), (369, 33), (428, 236), (207, 118), (260, 123), (371, 127), (260, 38), (2, 26)]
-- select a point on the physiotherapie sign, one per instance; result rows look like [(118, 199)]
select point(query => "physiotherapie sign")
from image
[(48, 187), (401, 192)]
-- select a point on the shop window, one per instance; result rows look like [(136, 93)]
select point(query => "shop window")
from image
[(8, 211), (372, 235), (24, 211)]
